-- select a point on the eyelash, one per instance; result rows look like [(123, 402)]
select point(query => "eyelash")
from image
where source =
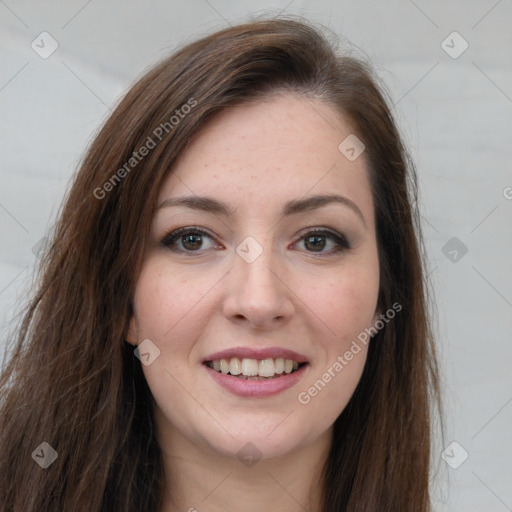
[(341, 241)]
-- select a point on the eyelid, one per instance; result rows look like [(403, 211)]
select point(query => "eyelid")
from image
[(342, 242), (174, 234)]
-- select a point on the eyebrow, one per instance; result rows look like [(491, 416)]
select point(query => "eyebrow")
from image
[(294, 207)]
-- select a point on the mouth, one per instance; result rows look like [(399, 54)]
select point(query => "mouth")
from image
[(255, 369), (251, 372)]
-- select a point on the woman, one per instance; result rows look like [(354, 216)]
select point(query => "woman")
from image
[(232, 312)]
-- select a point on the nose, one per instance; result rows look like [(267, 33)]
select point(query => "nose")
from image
[(257, 293)]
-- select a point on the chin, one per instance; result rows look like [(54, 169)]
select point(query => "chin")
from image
[(259, 442)]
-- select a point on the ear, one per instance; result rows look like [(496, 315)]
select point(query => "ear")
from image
[(377, 314), (131, 334)]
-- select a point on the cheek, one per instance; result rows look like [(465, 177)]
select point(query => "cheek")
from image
[(346, 302), (168, 307), (164, 301), (346, 305)]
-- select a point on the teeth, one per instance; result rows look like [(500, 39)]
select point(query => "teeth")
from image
[(253, 367), (249, 367), (235, 366), (266, 368), (279, 365), (224, 366)]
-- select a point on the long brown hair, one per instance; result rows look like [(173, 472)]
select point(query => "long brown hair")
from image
[(73, 382)]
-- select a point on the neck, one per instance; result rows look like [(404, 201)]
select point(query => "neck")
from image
[(200, 479)]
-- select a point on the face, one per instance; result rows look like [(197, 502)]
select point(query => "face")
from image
[(263, 250)]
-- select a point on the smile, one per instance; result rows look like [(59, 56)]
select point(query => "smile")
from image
[(254, 369)]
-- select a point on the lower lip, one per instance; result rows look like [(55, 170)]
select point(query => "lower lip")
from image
[(257, 388)]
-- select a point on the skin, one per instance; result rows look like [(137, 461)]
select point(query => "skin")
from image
[(256, 158)]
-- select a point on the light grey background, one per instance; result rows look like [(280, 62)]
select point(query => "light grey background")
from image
[(455, 114)]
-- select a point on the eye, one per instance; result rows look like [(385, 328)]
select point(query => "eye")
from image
[(187, 240), (317, 240)]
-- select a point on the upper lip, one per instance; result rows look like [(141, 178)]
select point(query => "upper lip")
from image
[(256, 353)]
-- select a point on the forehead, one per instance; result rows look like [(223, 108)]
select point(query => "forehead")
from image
[(268, 152)]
